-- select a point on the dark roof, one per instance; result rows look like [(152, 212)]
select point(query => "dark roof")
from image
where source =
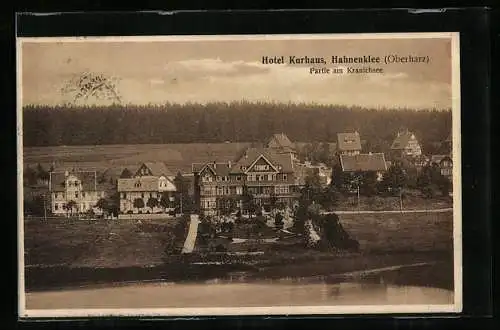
[(363, 162), (281, 141), (221, 169), (401, 140), (275, 158), (88, 180), (348, 141), (158, 169)]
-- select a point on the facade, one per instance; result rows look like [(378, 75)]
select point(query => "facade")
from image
[(75, 192), (260, 172), (281, 144), (349, 143), (445, 164), (406, 145), (363, 163), (152, 181)]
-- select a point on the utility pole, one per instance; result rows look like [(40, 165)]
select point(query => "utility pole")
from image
[(44, 208), (359, 206), (401, 199)]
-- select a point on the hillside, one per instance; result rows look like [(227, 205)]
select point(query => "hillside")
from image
[(223, 122)]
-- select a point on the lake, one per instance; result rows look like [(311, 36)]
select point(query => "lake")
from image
[(385, 288)]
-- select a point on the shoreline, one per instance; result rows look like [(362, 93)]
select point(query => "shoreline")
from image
[(334, 268)]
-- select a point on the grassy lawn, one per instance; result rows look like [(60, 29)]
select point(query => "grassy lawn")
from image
[(177, 156), (379, 203), (94, 243), (422, 232), (125, 243)]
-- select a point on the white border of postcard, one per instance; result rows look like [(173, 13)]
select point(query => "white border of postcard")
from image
[(292, 310)]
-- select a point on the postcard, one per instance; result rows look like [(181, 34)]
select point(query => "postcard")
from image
[(239, 175)]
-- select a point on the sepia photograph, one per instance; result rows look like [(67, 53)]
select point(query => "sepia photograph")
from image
[(239, 175)]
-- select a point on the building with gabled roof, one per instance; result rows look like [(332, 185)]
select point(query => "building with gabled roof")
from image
[(154, 169), (445, 163), (281, 144), (152, 180), (261, 172), (406, 144), (75, 192), (363, 163), (348, 143)]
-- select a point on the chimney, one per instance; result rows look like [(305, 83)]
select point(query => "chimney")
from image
[(215, 164), (229, 163)]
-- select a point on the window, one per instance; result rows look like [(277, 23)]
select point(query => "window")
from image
[(102, 193), (158, 196), (239, 190), (220, 191), (124, 195), (261, 167), (238, 178), (282, 190), (83, 194), (76, 194), (56, 206), (226, 191), (150, 195), (285, 177), (142, 195)]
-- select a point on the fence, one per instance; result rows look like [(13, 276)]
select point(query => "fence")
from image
[(392, 211), (146, 216)]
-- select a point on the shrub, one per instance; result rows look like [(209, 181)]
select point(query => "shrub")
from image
[(278, 221), (335, 235)]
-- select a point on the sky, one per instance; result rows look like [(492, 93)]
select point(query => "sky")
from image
[(231, 70)]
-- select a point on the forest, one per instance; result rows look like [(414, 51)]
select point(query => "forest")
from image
[(222, 122)]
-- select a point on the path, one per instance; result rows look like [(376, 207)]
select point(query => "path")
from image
[(393, 211), (192, 233)]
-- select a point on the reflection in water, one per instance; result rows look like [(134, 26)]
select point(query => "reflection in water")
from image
[(401, 287)]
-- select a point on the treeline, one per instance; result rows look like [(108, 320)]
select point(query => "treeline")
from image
[(220, 122)]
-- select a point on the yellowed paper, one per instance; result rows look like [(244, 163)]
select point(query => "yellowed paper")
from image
[(249, 123)]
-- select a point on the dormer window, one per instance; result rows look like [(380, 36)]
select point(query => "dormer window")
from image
[(244, 168)]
